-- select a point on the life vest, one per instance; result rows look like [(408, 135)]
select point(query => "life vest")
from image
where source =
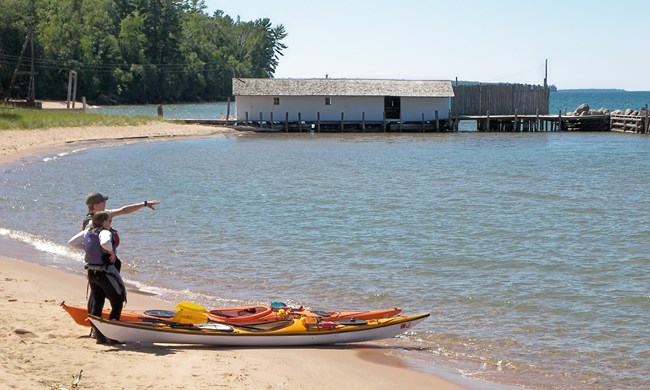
[(116, 238), (89, 220), (86, 221), (94, 252)]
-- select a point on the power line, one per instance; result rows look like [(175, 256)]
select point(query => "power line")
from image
[(78, 65), (126, 68)]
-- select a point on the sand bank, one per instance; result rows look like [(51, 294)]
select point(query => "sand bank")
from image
[(43, 348), (15, 144)]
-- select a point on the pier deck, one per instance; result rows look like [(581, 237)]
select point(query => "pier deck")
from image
[(484, 123), (518, 123)]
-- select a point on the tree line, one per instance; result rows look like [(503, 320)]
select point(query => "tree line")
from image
[(132, 51)]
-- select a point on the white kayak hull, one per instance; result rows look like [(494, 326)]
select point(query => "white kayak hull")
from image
[(131, 332)]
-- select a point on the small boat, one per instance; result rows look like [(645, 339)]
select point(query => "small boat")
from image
[(289, 332), (235, 315)]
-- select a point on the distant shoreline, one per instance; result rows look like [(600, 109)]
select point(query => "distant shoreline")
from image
[(595, 90)]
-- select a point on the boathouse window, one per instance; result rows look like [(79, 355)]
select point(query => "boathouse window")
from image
[(276, 101), (328, 101)]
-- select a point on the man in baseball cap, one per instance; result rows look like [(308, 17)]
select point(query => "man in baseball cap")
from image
[(94, 198), (97, 202)]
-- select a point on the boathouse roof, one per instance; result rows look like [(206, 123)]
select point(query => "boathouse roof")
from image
[(341, 87)]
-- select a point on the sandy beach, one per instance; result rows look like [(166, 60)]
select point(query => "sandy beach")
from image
[(15, 144), (43, 348)]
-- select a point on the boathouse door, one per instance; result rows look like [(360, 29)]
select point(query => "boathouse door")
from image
[(392, 106)]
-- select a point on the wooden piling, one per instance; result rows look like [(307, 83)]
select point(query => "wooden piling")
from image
[(515, 125), (487, 121), (437, 121), (286, 122), (227, 110)]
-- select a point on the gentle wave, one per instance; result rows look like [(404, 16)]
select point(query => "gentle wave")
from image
[(44, 245), (62, 155)]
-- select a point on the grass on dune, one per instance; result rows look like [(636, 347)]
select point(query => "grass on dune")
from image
[(26, 119)]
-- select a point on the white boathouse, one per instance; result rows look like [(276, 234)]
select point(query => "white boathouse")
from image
[(342, 101)]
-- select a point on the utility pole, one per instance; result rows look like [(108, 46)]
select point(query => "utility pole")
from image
[(31, 94), (17, 71), (29, 39), (546, 74)]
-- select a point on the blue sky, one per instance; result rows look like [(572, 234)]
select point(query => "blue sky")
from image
[(588, 44)]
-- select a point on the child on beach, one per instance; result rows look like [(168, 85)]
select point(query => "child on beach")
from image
[(96, 202), (103, 277)]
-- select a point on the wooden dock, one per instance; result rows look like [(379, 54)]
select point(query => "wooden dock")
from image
[(353, 126), (484, 123), (635, 122), (631, 123), (533, 123)]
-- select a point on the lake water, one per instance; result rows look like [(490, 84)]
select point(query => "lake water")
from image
[(531, 251), (214, 111)]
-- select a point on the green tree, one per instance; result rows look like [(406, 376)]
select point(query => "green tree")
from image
[(14, 21), (99, 47), (256, 47), (205, 56), (161, 27), (136, 50), (124, 8), (265, 47), (131, 76), (58, 31)]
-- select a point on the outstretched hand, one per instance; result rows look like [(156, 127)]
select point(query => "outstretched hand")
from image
[(151, 203)]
